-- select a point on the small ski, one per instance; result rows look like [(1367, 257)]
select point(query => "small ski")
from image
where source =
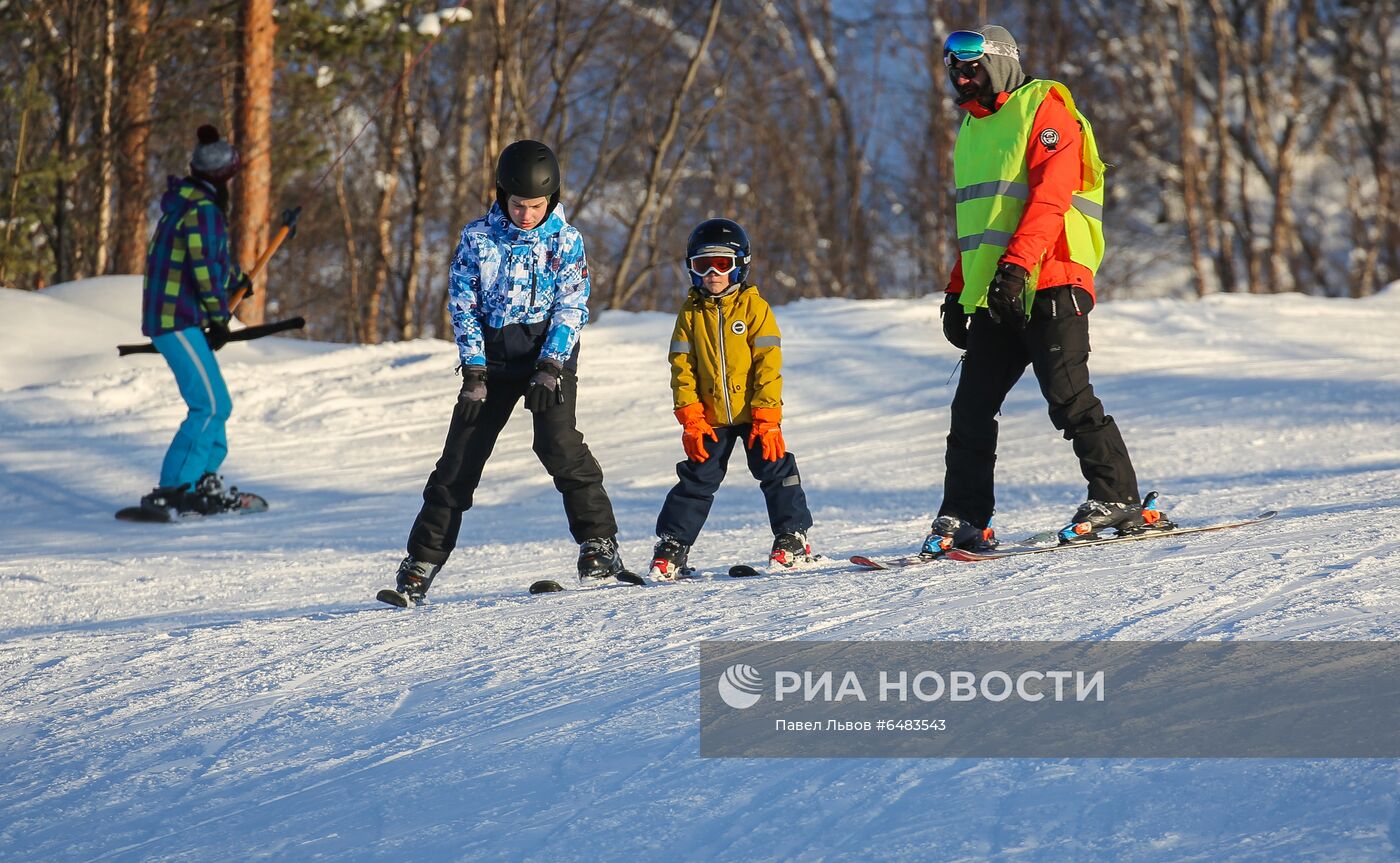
[(972, 556), (248, 503), (549, 585), (390, 596), (740, 570)]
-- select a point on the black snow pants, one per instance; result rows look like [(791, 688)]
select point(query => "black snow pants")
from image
[(1055, 343), (559, 445)]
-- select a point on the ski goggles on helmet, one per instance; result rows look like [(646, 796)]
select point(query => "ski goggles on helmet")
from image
[(967, 45), (703, 265)]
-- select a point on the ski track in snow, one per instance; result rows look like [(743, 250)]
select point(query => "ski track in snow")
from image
[(229, 690)]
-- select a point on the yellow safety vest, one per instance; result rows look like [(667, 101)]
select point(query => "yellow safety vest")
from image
[(989, 168)]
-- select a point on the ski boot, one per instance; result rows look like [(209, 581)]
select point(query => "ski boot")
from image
[(598, 558), (167, 503), (790, 549), (1126, 519), (211, 497), (669, 559), (411, 583), (949, 532)]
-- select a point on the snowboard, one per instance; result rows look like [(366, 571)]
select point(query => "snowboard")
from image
[(1030, 547), (248, 503)]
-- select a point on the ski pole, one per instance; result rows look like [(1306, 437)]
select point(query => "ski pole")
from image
[(284, 233)]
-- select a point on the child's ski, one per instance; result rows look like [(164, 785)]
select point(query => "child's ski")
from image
[(549, 585)]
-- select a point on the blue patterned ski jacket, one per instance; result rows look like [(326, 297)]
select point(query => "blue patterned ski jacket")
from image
[(518, 296)]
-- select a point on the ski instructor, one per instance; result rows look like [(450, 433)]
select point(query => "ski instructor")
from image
[(518, 293), (1029, 210)]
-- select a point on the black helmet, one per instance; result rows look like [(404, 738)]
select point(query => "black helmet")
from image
[(719, 235), (527, 169)]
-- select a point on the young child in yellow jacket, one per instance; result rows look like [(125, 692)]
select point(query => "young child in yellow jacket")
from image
[(727, 386)]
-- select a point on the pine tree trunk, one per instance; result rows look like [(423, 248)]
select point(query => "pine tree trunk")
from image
[(134, 128), (253, 137), (104, 138)]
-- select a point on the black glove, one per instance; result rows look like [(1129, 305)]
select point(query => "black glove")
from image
[(954, 322), (473, 394), (216, 334), (544, 388), (244, 281), (1006, 295)]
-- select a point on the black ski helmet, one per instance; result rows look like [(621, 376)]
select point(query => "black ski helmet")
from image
[(719, 235), (527, 169)]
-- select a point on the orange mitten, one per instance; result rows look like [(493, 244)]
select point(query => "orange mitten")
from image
[(765, 429), (695, 428)]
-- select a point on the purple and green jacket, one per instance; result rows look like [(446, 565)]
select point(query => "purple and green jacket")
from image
[(189, 271)]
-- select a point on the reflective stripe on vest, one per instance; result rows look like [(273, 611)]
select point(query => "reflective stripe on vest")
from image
[(989, 168)]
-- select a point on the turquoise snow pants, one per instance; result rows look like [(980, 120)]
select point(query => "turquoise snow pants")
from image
[(200, 444)]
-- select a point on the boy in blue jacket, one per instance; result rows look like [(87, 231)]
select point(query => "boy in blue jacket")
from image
[(519, 297)]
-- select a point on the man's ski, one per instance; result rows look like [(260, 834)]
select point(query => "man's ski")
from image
[(892, 562), (970, 556), (248, 503), (1036, 545)]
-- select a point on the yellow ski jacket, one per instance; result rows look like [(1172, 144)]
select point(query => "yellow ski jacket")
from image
[(726, 352)]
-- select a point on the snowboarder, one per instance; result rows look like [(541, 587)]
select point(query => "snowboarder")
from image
[(1030, 232), (727, 386), (518, 293), (185, 312)]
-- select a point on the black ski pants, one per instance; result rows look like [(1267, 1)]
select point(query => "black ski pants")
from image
[(559, 445), (1055, 344), (688, 503)]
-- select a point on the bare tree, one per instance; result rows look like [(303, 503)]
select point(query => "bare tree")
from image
[(625, 285)]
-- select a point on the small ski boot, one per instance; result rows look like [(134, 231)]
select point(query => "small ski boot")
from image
[(168, 503), (599, 558), (668, 559), (949, 532), (1126, 519), (790, 549), (411, 583)]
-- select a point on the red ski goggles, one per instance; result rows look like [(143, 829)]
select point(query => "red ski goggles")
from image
[(703, 265), (966, 45)]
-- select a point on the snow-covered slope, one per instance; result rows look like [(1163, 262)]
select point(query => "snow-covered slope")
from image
[(228, 689)]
